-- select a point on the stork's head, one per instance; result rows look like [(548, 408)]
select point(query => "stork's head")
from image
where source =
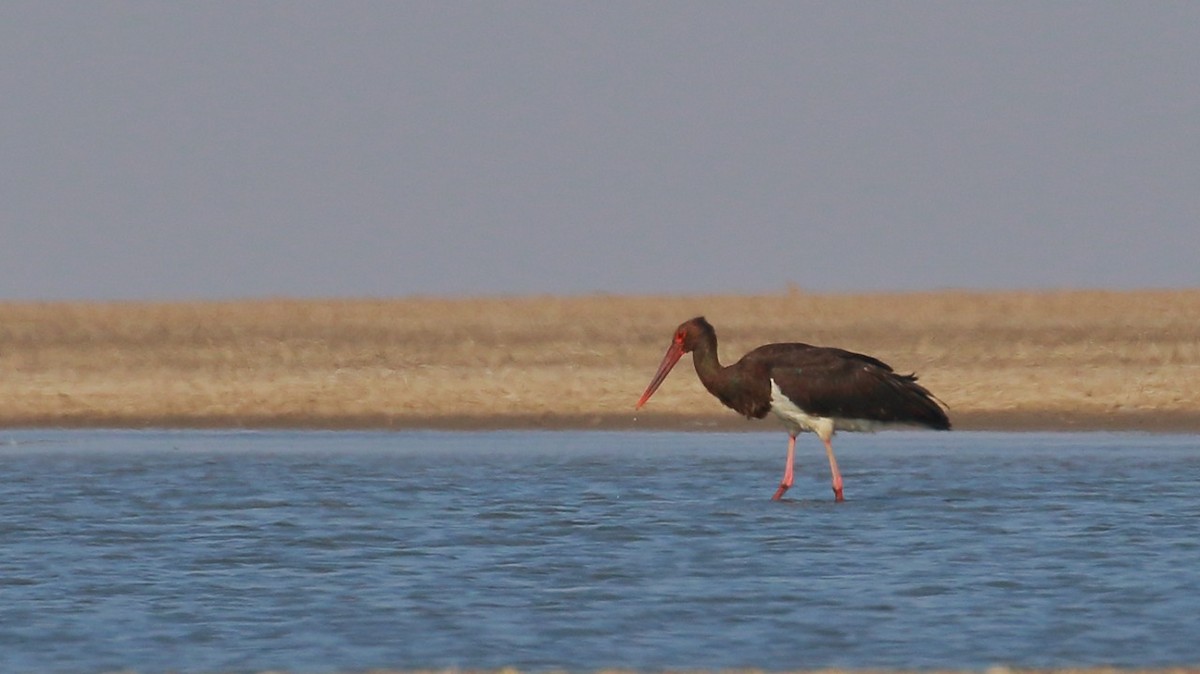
[(688, 335)]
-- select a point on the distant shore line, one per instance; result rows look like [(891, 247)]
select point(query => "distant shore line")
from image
[(1146, 421), (1002, 361)]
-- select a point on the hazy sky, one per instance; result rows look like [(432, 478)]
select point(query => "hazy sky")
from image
[(171, 150)]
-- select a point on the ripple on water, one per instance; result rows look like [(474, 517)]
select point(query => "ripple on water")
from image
[(582, 551)]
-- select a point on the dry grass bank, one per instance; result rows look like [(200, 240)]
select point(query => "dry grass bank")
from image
[(999, 360)]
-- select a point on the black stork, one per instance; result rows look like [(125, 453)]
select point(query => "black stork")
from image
[(811, 388)]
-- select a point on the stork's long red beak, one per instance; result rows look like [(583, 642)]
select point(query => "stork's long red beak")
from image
[(674, 353)]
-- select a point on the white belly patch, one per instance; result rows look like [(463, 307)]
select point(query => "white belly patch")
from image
[(798, 420)]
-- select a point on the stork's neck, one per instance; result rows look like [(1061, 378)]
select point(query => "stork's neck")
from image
[(709, 369)]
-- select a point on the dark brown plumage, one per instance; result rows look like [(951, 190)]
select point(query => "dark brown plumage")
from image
[(820, 389)]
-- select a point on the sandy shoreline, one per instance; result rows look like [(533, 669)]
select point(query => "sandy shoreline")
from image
[(1080, 360), (1144, 422)]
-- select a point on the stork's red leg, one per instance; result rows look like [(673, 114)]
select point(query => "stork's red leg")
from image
[(837, 475), (786, 483)]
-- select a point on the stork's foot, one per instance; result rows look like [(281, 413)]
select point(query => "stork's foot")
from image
[(779, 492), (837, 495)]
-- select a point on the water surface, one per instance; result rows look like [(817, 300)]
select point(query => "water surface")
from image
[(324, 551)]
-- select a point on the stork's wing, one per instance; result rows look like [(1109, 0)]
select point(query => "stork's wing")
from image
[(842, 384)]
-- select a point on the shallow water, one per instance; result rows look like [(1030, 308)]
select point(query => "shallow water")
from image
[(315, 552)]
